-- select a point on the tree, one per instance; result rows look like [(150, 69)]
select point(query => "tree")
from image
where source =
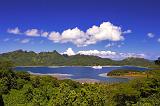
[(6, 65), (23, 75), (157, 62), (126, 95)]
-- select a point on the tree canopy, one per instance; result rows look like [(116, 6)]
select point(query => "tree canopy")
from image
[(21, 88)]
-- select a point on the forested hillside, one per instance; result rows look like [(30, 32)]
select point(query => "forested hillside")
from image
[(24, 58)]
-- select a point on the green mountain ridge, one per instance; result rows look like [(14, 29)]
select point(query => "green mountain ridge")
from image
[(30, 58)]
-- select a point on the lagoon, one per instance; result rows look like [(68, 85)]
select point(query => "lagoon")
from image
[(79, 73)]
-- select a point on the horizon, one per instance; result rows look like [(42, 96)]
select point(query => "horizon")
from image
[(105, 28)]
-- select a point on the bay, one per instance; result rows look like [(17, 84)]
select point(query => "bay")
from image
[(79, 73)]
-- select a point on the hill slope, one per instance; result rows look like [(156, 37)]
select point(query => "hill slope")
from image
[(24, 58)]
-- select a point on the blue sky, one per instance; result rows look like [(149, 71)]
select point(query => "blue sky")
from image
[(123, 27)]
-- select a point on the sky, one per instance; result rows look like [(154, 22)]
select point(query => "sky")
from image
[(113, 29)]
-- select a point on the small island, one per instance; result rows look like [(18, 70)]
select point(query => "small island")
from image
[(125, 73)]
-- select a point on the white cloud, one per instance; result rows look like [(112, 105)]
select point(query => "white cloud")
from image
[(105, 54), (127, 31), (158, 40), (69, 52), (29, 32), (25, 41), (97, 53), (74, 36), (54, 36), (106, 31), (150, 35), (14, 31), (32, 32), (44, 34)]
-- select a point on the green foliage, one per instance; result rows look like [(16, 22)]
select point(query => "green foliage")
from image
[(120, 72), (24, 58), (137, 62), (126, 95), (5, 65), (23, 75), (7, 80), (23, 89)]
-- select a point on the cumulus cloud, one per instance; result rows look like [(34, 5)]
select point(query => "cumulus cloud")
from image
[(94, 34), (150, 35), (104, 54), (44, 34), (14, 31), (106, 31), (97, 53), (32, 32), (75, 36), (29, 32), (25, 41), (127, 31), (54, 36), (69, 52)]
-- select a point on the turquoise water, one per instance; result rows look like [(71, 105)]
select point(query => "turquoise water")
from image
[(79, 72)]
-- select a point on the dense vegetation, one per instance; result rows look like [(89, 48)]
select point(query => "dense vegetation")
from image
[(23, 89), (24, 58), (126, 72)]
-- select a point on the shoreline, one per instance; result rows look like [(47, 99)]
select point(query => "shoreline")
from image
[(122, 76), (128, 77), (85, 66), (59, 76), (67, 76)]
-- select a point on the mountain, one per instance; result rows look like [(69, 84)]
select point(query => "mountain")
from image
[(137, 62), (30, 58), (86, 60)]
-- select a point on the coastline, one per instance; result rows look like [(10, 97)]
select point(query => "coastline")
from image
[(59, 76), (67, 76), (128, 77), (85, 66), (122, 76)]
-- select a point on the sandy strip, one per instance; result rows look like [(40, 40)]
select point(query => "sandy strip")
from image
[(103, 75), (57, 75)]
